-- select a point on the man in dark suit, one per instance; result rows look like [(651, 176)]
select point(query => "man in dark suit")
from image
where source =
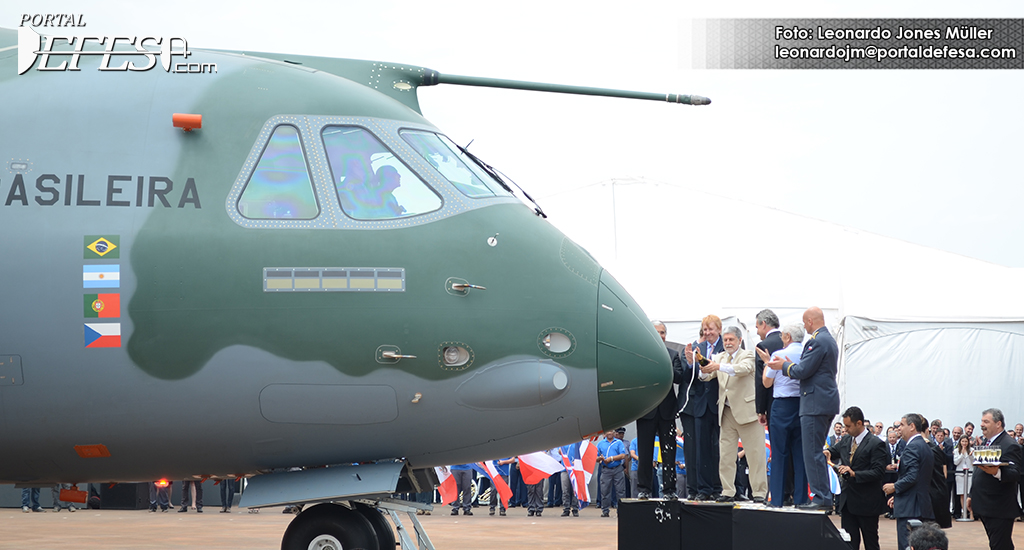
[(819, 400), (910, 498), (699, 415), (860, 458), (894, 447), (767, 325), (661, 422), (993, 497)]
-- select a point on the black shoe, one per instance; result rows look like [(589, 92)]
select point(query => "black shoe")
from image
[(183, 509), (702, 498), (501, 513), (455, 511), (788, 502), (529, 513), (539, 512), (758, 500), (605, 514), (152, 508), (199, 510), (575, 513), (565, 513), (724, 498), (814, 507), (491, 513), (225, 511), (467, 513), (669, 495), (643, 495)]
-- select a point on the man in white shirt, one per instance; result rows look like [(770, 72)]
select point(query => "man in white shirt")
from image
[(784, 425)]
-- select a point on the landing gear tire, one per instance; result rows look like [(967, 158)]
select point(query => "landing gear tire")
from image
[(381, 526), (330, 527)]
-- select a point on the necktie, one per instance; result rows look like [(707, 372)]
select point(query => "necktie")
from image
[(729, 359), (853, 449)]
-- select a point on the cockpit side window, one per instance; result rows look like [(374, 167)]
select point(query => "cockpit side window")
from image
[(372, 184), (446, 157), (280, 186)]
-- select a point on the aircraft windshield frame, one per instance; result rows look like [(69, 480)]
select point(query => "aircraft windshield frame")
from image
[(444, 155)]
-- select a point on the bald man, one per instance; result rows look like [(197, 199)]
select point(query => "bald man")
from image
[(819, 400)]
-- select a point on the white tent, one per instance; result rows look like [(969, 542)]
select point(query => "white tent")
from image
[(919, 329)]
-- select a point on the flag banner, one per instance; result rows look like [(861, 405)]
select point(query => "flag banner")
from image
[(449, 492), (491, 471), (580, 463), (536, 467)]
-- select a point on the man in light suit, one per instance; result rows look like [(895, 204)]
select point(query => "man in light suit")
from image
[(819, 400), (861, 458), (737, 416), (910, 498), (661, 422), (699, 415), (993, 497)]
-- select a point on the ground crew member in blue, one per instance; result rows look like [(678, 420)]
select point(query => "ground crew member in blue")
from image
[(610, 454), (463, 475)]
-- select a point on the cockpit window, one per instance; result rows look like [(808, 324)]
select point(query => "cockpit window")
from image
[(444, 155), (280, 186), (371, 182)]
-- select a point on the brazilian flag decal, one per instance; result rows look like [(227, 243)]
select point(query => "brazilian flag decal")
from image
[(104, 247)]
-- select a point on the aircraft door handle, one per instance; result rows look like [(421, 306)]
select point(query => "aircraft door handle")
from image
[(460, 287), (393, 355)]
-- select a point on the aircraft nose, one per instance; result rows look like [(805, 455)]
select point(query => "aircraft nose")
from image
[(633, 367)]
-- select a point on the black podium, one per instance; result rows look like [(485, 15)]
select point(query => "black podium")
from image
[(677, 525)]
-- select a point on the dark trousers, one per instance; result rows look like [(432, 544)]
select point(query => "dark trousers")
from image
[(569, 500), (186, 494), (645, 432), (701, 452), (518, 487), (787, 446), (999, 531), (857, 526), (555, 490), (463, 489), (613, 483), (812, 430), (227, 493), (903, 532)]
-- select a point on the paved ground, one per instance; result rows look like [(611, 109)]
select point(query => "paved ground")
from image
[(114, 529)]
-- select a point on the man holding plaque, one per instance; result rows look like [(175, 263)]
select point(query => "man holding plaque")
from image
[(993, 497)]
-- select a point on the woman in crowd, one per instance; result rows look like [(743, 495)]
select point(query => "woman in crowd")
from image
[(963, 461)]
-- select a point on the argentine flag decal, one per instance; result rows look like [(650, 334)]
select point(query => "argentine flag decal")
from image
[(101, 276)]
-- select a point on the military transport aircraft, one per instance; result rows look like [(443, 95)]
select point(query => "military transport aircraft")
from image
[(283, 265)]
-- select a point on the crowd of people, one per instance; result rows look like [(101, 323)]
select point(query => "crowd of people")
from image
[(910, 470)]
